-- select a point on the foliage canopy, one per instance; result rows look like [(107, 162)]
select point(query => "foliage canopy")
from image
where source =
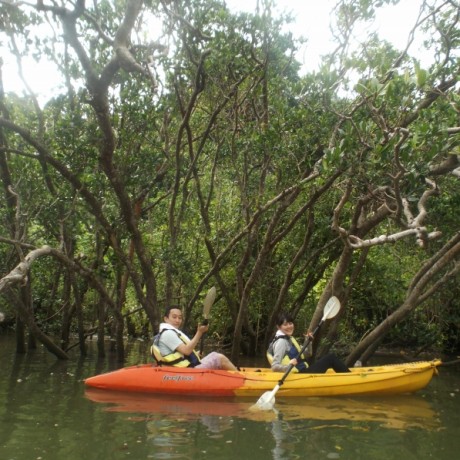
[(185, 150)]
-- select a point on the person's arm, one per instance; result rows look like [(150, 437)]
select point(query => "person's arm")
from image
[(280, 348), (187, 349)]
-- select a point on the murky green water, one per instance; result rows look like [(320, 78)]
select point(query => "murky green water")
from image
[(46, 413)]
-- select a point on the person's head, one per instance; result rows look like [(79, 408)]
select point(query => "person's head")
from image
[(173, 316), (285, 323)]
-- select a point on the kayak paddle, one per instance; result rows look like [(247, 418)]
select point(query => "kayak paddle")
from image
[(208, 301), (267, 400)]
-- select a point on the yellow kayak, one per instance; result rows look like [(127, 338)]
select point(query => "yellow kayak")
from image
[(375, 380)]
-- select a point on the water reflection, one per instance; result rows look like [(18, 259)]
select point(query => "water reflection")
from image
[(176, 424), (397, 412)]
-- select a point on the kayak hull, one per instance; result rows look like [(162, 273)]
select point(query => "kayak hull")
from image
[(377, 380)]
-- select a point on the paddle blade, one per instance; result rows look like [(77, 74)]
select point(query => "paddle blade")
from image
[(331, 308), (266, 401), (209, 300)]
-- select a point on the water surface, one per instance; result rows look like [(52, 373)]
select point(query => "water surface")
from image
[(47, 413)]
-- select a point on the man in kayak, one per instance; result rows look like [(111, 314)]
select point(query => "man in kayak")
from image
[(284, 348), (171, 347)]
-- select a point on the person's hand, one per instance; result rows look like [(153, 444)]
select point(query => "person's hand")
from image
[(293, 361), (202, 328), (310, 335)]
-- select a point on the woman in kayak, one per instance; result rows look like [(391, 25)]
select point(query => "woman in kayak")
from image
[(284, 348), (171, 347)]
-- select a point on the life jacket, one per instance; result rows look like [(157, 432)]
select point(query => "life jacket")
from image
[(173, 359), (291, 354)]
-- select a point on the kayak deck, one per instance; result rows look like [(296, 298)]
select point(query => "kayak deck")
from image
[(375, 380)]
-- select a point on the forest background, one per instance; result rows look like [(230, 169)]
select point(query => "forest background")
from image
[(204, 157)]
